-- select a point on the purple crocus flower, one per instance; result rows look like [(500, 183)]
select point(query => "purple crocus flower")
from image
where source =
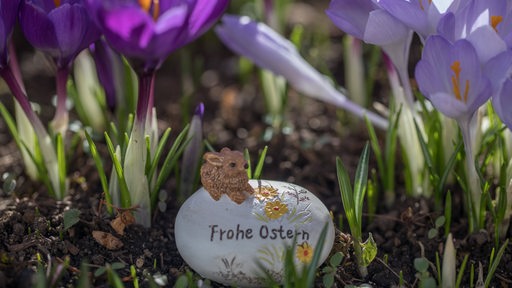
[(271, 51), (366, 20), (150, 30), (451, 77), (478, 22), (61, 29), (8, 12), (9, 71), (420, 15), (147, 31)]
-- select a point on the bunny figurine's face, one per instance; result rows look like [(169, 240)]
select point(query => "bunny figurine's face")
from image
[(225, 172)]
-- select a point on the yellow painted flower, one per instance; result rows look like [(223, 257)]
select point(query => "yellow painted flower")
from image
[(265, 192), (304, 252), (275, 209)]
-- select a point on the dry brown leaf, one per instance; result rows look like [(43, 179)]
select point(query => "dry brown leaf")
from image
[(107, 240), (122, 220)]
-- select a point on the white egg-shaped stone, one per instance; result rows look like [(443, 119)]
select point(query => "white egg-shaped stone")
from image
[(223, 241)]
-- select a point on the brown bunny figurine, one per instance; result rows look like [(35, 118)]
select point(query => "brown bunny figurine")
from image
[(225, 172)]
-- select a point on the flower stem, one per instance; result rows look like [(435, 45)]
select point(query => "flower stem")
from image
[(45, 142), (19, 94), (472, 178), (146, 91), (25, 129), (61, 118)]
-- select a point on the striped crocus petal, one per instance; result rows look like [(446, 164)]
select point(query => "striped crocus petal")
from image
[(271, 51)]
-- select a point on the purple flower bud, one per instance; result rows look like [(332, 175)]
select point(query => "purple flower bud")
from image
[(59, 28), (151, 30), (109, 66)]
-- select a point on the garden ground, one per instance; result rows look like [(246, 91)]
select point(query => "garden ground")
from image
[(31, 223)]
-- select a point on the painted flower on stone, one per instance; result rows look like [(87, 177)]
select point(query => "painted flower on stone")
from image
[(149, 30), (275, 209), (8, 13), (451, 77), (265, 192), (60, 28), (304, 252)]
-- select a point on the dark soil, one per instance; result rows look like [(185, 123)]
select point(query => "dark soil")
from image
[(31, 223)]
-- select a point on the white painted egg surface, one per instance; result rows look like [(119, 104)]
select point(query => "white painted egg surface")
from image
[(223, 241)]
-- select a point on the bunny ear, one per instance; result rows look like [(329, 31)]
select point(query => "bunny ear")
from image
[(225, 149), (213, 158)]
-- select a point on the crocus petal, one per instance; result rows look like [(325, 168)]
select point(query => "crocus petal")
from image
[(61, 32), (8, 13), (501, 103), (135, 33), (439, 82), (474, 22), (34, 16), (419, 15), (204, 14), (192, 153), (448, 105), (409, 12), (350, 16), (109, 67), (382, 29), (499, 71), (487, 43), (71, 34), (365, 20), (271, 51)]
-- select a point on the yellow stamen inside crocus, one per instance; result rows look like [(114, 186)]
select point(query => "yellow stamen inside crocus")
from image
[(455, 67), (495, 20), (146, 5), (421, 4), (57, 3), (156, 8)]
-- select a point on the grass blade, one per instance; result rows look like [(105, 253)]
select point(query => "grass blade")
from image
[(159, 151), (101, 170), (360, 181), (261, 161), (170, 161), (347, 199), (249, 164), (11, 125), (61, 165), (125, 193)]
